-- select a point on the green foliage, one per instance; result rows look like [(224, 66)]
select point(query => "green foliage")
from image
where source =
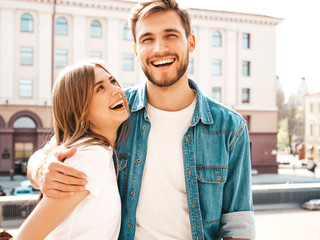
[(283, 135)]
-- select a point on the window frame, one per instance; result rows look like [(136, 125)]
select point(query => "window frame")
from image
[(247, 100), (246, 73), (59, 54), (246, 40), (26, 86), (216, 39), (63, 25), (214, 64), (26, 25), (26, 60), (95, 30)]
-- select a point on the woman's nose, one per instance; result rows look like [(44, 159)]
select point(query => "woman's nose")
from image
[(115, 90)]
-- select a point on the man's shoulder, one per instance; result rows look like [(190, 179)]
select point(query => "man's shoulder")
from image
[(221, 112), (132, 91)]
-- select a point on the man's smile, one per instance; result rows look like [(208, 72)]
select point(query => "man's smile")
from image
[(163, 62)]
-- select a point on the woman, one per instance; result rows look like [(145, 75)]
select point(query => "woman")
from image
[(88, 109)]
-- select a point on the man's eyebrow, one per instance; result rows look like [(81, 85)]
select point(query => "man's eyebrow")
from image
[(172, 30)]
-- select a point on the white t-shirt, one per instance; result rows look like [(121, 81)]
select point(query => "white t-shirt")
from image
[(98, 216), (162, 211)]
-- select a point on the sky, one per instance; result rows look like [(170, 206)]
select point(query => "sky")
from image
[(298, 36)]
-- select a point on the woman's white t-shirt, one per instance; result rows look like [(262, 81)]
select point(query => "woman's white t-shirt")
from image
[(98, 216)]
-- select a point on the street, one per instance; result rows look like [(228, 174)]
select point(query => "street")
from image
[(293, 224)]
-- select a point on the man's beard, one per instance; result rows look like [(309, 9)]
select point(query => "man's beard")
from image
[(182, 68)]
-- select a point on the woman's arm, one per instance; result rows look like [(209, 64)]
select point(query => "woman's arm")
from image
[(47, 215)]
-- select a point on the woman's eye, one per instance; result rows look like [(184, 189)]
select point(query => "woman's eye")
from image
[(100, 88), (113, 82)]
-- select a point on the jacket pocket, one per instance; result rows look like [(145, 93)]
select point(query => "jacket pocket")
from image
[(123, 177), (211, 181)]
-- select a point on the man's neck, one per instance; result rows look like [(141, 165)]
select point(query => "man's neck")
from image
[(173, 98)]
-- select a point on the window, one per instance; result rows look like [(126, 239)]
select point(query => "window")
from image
[(245, 40), (190, 66), (311, 130), (26, 24), (126, 32), (311, 108), (24, 122), (245, 68), (216, 67), (61, 26), (216, 39), (248, 120), (26, 56), (127, 62), (61, 58), (95, 55), (245, 95), (95, 29), (216, 93), (25, 88)]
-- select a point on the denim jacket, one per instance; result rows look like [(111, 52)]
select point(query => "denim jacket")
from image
[(217, 167)]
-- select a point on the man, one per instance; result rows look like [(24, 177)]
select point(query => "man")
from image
[(185, 165)]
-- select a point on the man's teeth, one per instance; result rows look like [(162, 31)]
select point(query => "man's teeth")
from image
[(116, 104), (162, 61)]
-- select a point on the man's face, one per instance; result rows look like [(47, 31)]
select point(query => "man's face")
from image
[(162, 48)]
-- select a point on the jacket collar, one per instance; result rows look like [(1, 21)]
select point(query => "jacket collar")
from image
[(201, 112)]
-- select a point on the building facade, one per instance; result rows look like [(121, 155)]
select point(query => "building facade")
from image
[(234, 63), (312, 126)]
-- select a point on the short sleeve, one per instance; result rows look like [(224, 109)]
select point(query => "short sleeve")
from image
[(96, 162)]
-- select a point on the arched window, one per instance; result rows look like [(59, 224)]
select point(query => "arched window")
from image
[(95, 29), (126, 32), (61, 26), (26, 24), (24, 122), (216, 39)]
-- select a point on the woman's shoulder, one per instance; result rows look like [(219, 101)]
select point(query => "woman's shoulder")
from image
[(89, 152)]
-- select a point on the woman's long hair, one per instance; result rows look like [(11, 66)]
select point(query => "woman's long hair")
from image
[(71, 99)]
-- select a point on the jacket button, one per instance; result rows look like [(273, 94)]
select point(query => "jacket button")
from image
[(193, 205), (138, 160), (189, 171), (187, 140), (219, 177), (133, 193), (144, 128), (130, 226)]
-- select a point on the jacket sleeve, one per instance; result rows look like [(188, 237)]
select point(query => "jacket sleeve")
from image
[(237, 219)]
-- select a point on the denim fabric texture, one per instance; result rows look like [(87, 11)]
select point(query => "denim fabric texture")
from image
[(217, 168)]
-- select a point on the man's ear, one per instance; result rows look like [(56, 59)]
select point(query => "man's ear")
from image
[(192, 42), (135, 49)]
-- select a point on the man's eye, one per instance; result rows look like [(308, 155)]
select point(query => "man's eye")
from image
[(171, 35), (146, 40)]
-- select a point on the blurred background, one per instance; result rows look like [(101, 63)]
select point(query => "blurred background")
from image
[(259, 58)]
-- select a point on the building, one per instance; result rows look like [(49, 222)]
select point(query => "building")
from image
[(39, 37), (312, 126)]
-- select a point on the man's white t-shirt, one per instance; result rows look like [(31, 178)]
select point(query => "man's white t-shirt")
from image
[(162, 211), (98, 216)]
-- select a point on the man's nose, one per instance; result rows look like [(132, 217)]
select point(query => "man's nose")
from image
[(160, 46)]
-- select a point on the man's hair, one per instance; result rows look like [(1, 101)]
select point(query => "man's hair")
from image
[(147, 7)]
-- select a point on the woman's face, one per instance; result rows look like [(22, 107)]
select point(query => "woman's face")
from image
[(107, 110)]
